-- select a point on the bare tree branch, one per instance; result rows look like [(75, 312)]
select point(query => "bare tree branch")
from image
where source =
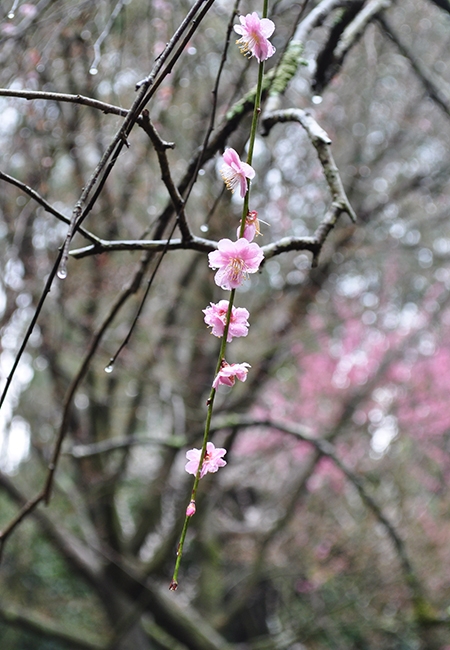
[(356, 28), (64, 97), (146, 88), (437, 89), (46, 629), (166, 176), (340, 202), (325, 448), (105, 446), (45, 204), (106, 30)]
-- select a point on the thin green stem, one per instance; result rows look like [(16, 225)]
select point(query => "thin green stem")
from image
[(251, 142), (223, 346)]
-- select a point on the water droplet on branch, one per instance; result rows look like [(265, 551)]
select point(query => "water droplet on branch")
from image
[(109, 368), (62, 272)]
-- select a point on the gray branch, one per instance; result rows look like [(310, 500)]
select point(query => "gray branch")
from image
[(437, 89), (356, 28), (325, 448), (64, 97), (45, 204), (340, 203)]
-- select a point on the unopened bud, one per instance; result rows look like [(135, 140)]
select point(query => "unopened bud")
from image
[(190, 510)]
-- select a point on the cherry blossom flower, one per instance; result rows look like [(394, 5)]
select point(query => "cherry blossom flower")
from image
[(228, 373), (216, 317), (254, 36), (190, 510), (251, 227), (211, 462), (235, 172), (234, 261)]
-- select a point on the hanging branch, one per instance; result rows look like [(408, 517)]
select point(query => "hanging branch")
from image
[(344, 35)]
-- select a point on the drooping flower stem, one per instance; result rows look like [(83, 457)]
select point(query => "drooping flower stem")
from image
[(210, 402), (209, 411)]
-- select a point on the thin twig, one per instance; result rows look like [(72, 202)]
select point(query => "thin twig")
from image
[(105, 446), (98, 43), (166, 176), (142, 303), (32, 17), (30, 329), (64, 97), (45, 204), (15, 521), (155, 246)]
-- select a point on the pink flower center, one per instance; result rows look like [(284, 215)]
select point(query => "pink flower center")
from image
[(253, 39)]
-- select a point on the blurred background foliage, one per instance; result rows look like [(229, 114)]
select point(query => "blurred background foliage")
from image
[(286, 551)]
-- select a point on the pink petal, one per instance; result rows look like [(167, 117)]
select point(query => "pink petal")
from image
[(231, 156), (267, 27), (248, 170)]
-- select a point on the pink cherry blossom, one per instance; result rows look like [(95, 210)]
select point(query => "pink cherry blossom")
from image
[(251, 227), (254, 36), (211, 462), (235, 260), (216, 317), (228, 373), (235, 172)]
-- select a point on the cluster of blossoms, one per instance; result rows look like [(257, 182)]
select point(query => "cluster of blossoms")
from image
[(233, 260)]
